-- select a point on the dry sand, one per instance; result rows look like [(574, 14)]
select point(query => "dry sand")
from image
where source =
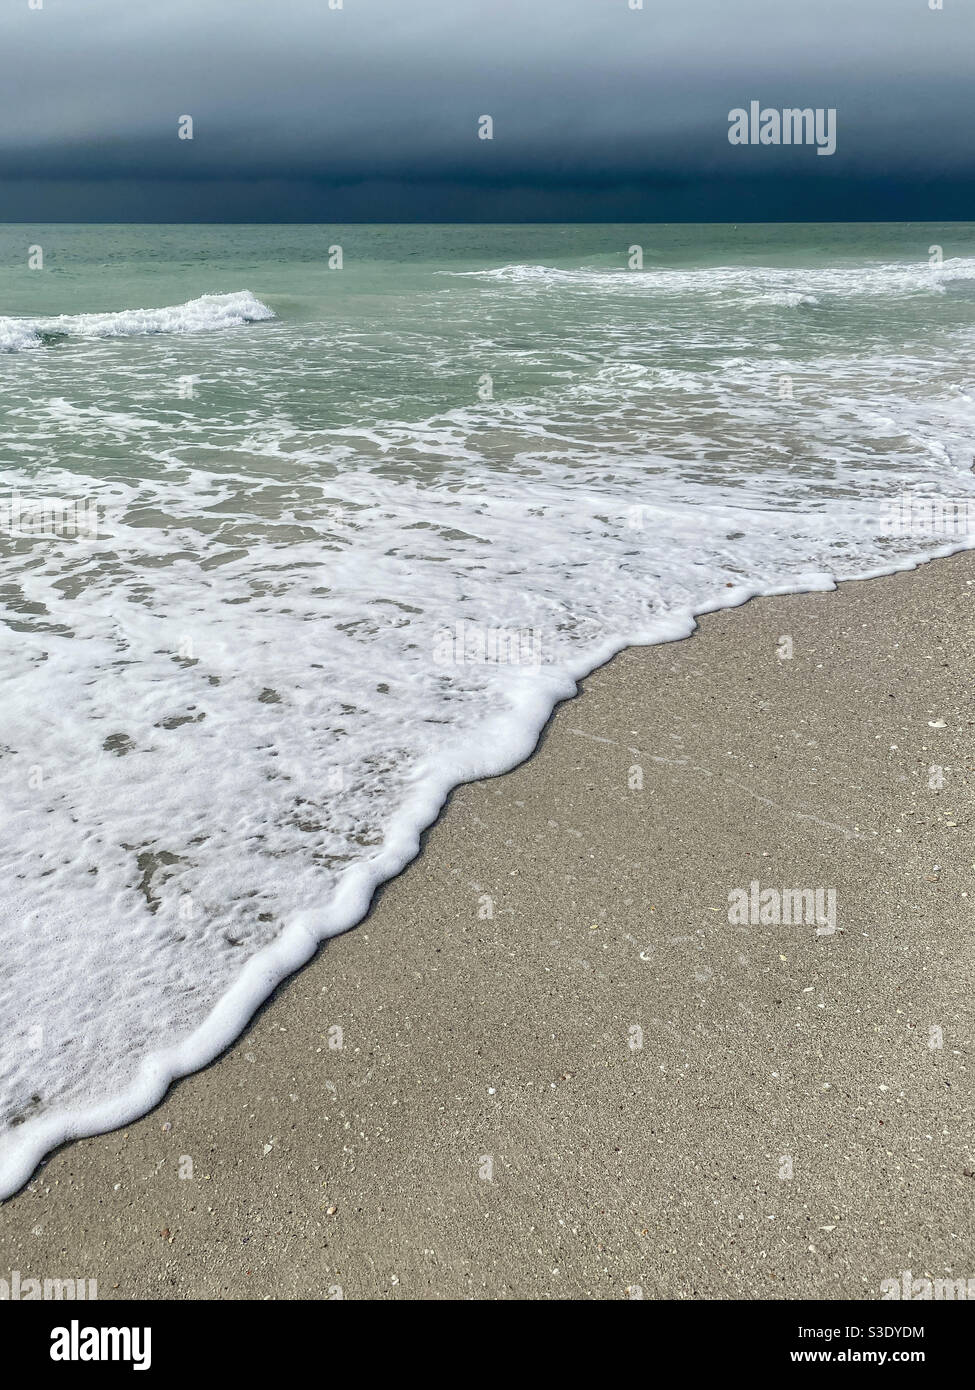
[(487, 1129)]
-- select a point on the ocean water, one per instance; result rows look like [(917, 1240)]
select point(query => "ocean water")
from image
[(358, 530)]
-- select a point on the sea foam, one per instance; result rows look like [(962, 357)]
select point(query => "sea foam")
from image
[(203, 315), (784, 285)]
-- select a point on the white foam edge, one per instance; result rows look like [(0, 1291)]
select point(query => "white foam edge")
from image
[(299, 941)]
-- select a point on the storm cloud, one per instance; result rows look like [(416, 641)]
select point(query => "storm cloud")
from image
[(371, 111)]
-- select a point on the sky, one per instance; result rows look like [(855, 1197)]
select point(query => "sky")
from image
[(372, 111)]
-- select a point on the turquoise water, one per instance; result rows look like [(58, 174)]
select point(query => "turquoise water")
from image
[(358, 530), (371, 328)]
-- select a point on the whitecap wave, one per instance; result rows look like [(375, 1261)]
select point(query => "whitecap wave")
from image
[(17, 336), (203, 315), (780, 285)]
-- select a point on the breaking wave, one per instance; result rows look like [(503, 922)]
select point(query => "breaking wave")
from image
[(782, 285), (203, 315)]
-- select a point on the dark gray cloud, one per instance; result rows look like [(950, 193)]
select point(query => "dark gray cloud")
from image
[(371, 110)]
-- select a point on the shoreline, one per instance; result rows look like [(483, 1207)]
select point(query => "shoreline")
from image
[(461, 1059), (278, 962)]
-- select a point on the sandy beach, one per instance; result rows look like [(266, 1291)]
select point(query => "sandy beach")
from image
[(547, 1066)]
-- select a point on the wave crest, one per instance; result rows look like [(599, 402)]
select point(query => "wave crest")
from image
[(203, 315), (753, 285)]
